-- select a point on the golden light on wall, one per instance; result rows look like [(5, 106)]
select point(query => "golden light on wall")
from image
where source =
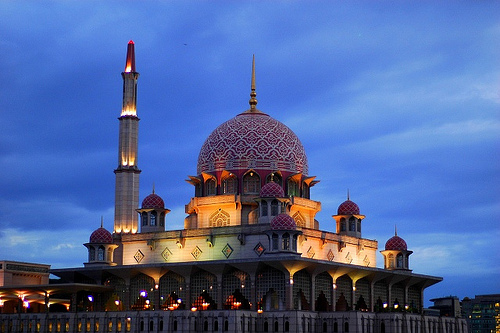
[(129, 111)]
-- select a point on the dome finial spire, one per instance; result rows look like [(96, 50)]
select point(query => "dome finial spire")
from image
[(153, 187), (253, 94), (348, 196), (395, 230), (102, 220)]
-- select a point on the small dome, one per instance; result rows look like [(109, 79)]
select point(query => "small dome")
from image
[(153, 201), (348, 207), (396, 243), (101, 235), (272, 190), (283, 222)]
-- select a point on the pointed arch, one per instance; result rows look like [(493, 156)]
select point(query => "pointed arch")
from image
[(251, 183)]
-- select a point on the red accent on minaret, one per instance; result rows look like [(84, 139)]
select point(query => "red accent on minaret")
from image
[(130, 64)]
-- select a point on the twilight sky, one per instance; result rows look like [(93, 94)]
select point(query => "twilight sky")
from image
[(396, 101)]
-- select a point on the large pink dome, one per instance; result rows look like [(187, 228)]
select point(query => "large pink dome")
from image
[(252, 140)]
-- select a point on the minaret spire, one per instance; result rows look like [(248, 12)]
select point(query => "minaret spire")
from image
[(130, 63), (127, 172), (253, 94)]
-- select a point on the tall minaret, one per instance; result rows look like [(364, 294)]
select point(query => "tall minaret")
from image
[(127, 173)]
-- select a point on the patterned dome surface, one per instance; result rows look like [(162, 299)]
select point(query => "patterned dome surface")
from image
[(272, 190), (396, 243), (101, 235), (153, 201), (348, 207), (283, 222), (252, 140)]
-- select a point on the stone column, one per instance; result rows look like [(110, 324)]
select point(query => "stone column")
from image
[(334, 295), (289, 292), (372, 296), (313, 292)]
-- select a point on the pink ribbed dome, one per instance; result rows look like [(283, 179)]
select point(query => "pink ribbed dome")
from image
[(283, 222), (153, 201), (272, 190), (252, 140), (348, 207), (101, 235), (396, 243)]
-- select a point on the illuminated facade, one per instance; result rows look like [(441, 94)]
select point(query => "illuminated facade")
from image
[(251, 256)]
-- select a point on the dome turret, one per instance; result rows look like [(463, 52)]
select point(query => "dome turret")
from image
[(396, 254), (396, 243), (153, 201), (272, 190), (101, 235), (348, 207), (283, 222)]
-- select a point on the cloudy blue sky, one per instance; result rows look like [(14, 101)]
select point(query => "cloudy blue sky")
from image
[(396, 101)]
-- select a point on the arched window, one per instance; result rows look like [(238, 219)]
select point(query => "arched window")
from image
[(251, 183), (359, 226), (100, 253), (274, 177), (293, 188), (230, 185), (175, 325), (151, 325), (216, 326), (91, 253), (390, 258), (263, 208), (152, 218), (342, 224), (276, 326), (162, 219), (407, 259), (210, 187), (287, 326), (285, 241), (110, 254), (294, 243), (352, 224), (335, 327), (275, 242), (144, 218), (399, 261), (305, 191), (274, 207), (266, 326), (346, 327)]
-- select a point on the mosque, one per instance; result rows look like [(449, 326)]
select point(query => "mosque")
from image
[(251, 256)]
